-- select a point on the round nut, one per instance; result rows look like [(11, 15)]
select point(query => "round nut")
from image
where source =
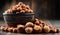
[(29, 11), (14, 8), (46, 29), (28, 29), (26, 10), (40, 21), (6, 29), (58, 30), (41, 25), (17, 6), (37, 29), (27, 7), (10, 29), (15, 30), (23, 6), (17, 12), (20, 28), (22, 11), (20, 3), (29, 24), (2, 28), (37, 21), (53, 29)]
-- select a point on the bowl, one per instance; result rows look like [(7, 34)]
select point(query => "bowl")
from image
[(13, 19)]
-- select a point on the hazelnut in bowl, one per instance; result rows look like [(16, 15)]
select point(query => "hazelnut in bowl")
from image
[(18, 14)]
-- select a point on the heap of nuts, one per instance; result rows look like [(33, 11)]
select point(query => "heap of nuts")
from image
[(19, 8), (38, 26)]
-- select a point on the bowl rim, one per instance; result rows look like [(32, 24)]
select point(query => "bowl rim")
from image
[(21, 14)]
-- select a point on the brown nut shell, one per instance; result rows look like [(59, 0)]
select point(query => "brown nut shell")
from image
[(15, 30), (29, 24), (10, 29), (28, 29), (37, 29), (20, 28), (46, 29)]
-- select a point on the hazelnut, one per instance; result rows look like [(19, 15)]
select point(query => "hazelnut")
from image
[(44, 24), (41, 25), (8, 11), (37, 21), (46, 29), (58, 30), (14, 8), (27, 7), (20, 28), (29, 24), (53, 29), (15, 30), (10, 29), (20, 3), (37, 29), (28, 29), (2, 28), (19, 9), (17, 6), (26, 10), (31, 11), (23, 6), (40, 21), (17, 12), (6, 29), (22, 11)]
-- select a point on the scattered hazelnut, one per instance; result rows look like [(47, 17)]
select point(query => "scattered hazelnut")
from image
[(2, 28), (53, 29), (40, 21), (44, 24), (58, 30), (6, 29), (46, 29), (10, 29), (29, 24), (41, 25), (28, 29), (37, 21), (15, 30), (20, 28), (37, 29)]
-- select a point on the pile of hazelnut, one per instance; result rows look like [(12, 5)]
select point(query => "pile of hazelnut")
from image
[(19, 8), (38, 26)]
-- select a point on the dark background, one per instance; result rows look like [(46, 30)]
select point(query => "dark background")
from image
[(43, 9)]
